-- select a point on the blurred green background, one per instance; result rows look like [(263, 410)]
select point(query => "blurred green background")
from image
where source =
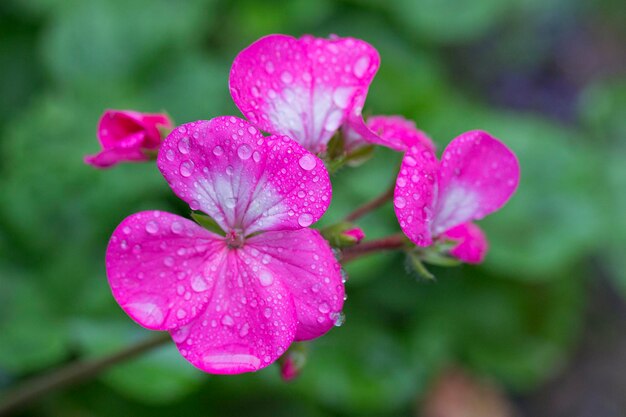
[(543, 319)]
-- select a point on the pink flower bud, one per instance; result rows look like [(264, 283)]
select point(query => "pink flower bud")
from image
[(127, 135), (292, 362), (355, 234)]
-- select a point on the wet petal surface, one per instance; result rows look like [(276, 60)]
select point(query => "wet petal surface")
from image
[(304, 262), (478, 174), (249, 322), (159, 268), (304, 88), (243, 180)]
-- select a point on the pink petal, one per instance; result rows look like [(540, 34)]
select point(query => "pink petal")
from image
[(416, 193), (158, 268), (472, 246), (249, 322), (305, 264), (303, 88), (244, 181), (478, 175), (110, 157), (399, 133)]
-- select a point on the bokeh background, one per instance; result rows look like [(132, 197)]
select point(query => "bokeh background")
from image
[(538, 330)]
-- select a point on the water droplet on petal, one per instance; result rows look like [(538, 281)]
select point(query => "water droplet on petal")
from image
[(400, 202), (266, 278), (244, 152), (361, 66), (176, 227), (227, 320), (305, 219), (269, 67), (218, 151), (324, 308), (152, 227), (186, 168), (147, 313), (307, 162), (183, 145), (198, 284), (338, 318)]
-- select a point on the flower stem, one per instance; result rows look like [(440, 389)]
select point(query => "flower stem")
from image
[(371, 205), (392, 242), (73, 373)]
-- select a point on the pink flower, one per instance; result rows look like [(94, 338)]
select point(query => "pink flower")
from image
[(476, 176), (232, 303), (304, 88), (126, 135)]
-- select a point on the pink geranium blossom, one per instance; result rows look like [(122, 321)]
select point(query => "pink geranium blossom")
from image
[(476, 176), (305, 88), (127, 135), (232, 303)]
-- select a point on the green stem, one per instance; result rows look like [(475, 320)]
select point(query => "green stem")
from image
[(392, 242), (72, 374)]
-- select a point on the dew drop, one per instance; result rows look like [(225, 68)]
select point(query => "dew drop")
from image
[(169, 154), (218, 151), (227, 320), (244, 152), (305, 219), (152, 227), (400, 202), (266, 278), (324, 308), (269, 67), (267, 312), (183, 145), (338, 318), (307, 162), (244, 330), (198, 284), (176, 228), (148, 313), (186, 168), (361, 66)]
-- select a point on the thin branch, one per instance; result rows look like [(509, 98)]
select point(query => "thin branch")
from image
[(72, 374), (392, 242)]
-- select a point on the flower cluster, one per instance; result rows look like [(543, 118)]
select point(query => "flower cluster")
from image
[(249, 277)]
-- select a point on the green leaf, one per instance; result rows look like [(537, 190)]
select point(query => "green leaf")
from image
[(207, 222)]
